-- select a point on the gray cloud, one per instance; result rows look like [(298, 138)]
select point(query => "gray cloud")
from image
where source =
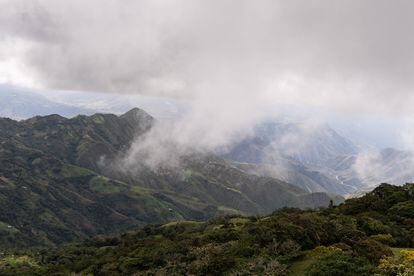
[(232, 59), (170, 47)]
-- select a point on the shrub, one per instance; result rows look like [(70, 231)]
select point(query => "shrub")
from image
[(340, 264), (401, 267), (261, 266), (372, 250), (386, 239), (403, 209), (321, 251)]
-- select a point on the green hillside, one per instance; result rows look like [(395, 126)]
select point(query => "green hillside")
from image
[(354, 238), (58, 185)]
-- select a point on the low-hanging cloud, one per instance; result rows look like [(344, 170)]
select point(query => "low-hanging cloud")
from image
[(232, 60)]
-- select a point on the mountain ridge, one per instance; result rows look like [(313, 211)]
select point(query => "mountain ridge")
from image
[(56, 186)]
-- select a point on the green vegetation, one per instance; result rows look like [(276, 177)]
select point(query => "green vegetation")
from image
[(60, 182), (58, 186), (350, 239), (73, 171), (7, 229), (19, 265), (401, 264), (340, 263), (104, 185)]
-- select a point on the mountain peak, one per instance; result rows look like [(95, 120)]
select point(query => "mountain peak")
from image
[(137, 114), (134, 111), (51, 119)]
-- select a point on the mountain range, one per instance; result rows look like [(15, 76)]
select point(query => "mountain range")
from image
[(23, 103), (315, 157), (55, 187), (20, 103), (318, 159), (60, 179), (297, 153)]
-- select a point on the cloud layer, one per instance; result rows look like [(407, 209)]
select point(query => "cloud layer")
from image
[(233, 60), (319, 52)]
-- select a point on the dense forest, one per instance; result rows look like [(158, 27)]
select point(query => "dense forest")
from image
[(371, 235)]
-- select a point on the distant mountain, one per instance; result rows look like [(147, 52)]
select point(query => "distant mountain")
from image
[(20, 103), (57, 182), (297, 153), (388, 165), (318, 159), (308, 144), (118, 103), (372, 167), (313, 157)]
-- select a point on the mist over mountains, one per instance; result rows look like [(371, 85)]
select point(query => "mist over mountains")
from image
[(63, 179), (317, 158), (220, 137), (102, 161), (309, 154), (22, 103)]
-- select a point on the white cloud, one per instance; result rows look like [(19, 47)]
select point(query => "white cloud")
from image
[(231, 59)]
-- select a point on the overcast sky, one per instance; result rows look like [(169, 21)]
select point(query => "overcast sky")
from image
[(231, 59)]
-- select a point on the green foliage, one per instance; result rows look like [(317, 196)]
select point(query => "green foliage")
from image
[(54, 191), (73, 171), (104, 185), (7, 229), (60, 183), (401, 265), (403, 210), (341, 264), (386, 239), (372, 250), (20, 265), (334, 241)]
